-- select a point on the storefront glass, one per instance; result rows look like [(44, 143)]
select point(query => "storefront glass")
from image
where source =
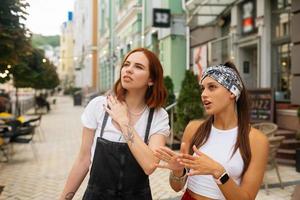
[(281, 18), (284, 75)]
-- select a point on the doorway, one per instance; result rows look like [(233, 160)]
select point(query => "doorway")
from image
[(249, 66)]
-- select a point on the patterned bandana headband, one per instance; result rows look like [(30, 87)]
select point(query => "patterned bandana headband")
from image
[(227, 77)]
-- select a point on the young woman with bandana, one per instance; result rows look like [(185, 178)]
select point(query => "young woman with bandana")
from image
[(121, 132), (222, 157)]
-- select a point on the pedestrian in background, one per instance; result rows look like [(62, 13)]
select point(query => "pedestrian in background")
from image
[(226, 158), (121, 131)]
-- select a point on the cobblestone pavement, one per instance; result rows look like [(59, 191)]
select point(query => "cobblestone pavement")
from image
[(26, 178)]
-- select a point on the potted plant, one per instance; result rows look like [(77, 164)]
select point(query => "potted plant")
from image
[(189, 105)]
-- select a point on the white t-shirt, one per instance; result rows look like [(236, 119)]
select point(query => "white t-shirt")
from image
[(93, 115)]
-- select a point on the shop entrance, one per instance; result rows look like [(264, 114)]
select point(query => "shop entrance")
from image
[(248, 65)]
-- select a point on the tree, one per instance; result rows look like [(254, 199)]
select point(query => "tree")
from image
[(27, 70), (170, 89), (35, 72), (14, 37), (48, 78), (32, 71), (189, 105)]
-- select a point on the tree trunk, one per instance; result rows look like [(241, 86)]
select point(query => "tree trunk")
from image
[(35, 107), (17, 108)]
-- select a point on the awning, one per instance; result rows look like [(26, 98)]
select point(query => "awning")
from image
[(205, 12)]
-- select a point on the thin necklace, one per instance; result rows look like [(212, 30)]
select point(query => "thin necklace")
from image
[(139, 113)]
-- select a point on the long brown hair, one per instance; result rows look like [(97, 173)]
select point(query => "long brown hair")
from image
[(242, 143), (156, 95)]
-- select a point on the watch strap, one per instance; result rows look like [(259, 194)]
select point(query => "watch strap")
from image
[(222, 179)]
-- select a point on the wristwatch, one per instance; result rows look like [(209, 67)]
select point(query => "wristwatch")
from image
[(222, 179)]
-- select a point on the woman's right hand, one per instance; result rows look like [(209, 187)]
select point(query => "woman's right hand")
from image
[(170, 158)]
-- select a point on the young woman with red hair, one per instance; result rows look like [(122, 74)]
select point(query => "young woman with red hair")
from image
[(121, 132)]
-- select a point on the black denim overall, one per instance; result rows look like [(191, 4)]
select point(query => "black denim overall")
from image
[(115, 174)]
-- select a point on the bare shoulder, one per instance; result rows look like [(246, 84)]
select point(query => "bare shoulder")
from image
[(258, 140), (190, 130)]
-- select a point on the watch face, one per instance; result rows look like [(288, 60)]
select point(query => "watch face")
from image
[(224, 178)]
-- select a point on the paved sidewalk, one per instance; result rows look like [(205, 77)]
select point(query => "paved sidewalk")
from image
[(25, 178)]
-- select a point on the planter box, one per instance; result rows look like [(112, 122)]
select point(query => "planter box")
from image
[(287, 119)]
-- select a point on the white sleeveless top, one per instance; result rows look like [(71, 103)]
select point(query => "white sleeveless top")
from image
[(219, 147)]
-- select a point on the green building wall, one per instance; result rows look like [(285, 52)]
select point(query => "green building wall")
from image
[(171, 49), (172, 56)]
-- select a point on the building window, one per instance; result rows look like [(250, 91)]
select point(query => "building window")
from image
[(281, 42), (283, 72)]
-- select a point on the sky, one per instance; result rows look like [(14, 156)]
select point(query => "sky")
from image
[(46, 16)]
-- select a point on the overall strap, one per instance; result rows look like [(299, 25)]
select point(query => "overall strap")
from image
[(150, 117), (103, 124)]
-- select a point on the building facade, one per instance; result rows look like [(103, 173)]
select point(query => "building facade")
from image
[(66, 65), (260, 37), (83, 44), (256, 35), (127, 24)]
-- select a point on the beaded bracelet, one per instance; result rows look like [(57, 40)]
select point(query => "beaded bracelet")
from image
[(180, 179)]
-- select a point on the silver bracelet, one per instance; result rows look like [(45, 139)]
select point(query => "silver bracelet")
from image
[(180, 179), (129, 136)]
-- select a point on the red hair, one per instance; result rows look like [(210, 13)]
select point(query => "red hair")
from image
[(156, 94)]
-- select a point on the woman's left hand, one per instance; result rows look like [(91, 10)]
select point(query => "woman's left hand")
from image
[(117, 110), (201, 164)]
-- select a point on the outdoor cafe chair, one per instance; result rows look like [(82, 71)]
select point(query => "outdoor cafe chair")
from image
[(19, 134), (268, 128), (3, 142), (274, 143), (36, 123), (3, 150)]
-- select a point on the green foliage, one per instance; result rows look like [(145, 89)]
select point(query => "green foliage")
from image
[(14, 37), (48, 79), (189, 105), (32, 72), (40, 40), (170, 89)]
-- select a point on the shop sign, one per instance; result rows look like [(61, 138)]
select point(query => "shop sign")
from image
[(262, 105), (248, 17), (161, 18)]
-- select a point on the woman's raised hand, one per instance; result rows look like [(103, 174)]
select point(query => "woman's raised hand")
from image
[(200, 164), (170, 157), (117, 110)]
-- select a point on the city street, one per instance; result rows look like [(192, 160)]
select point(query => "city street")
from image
[(27, 178)]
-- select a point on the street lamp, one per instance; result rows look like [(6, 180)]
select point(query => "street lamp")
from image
[(44, 60)]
